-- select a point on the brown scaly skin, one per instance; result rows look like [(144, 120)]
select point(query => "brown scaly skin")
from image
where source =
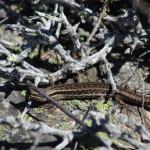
[(93, 90)]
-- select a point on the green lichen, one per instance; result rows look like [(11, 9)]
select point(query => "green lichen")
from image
[(34, 53), (23, 93), (40, 110), (12, 58), (50, 116), (71, 105), (26, 117), (88, 122), (3, 132), (102, 106), (103, 135), (64, 125)]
